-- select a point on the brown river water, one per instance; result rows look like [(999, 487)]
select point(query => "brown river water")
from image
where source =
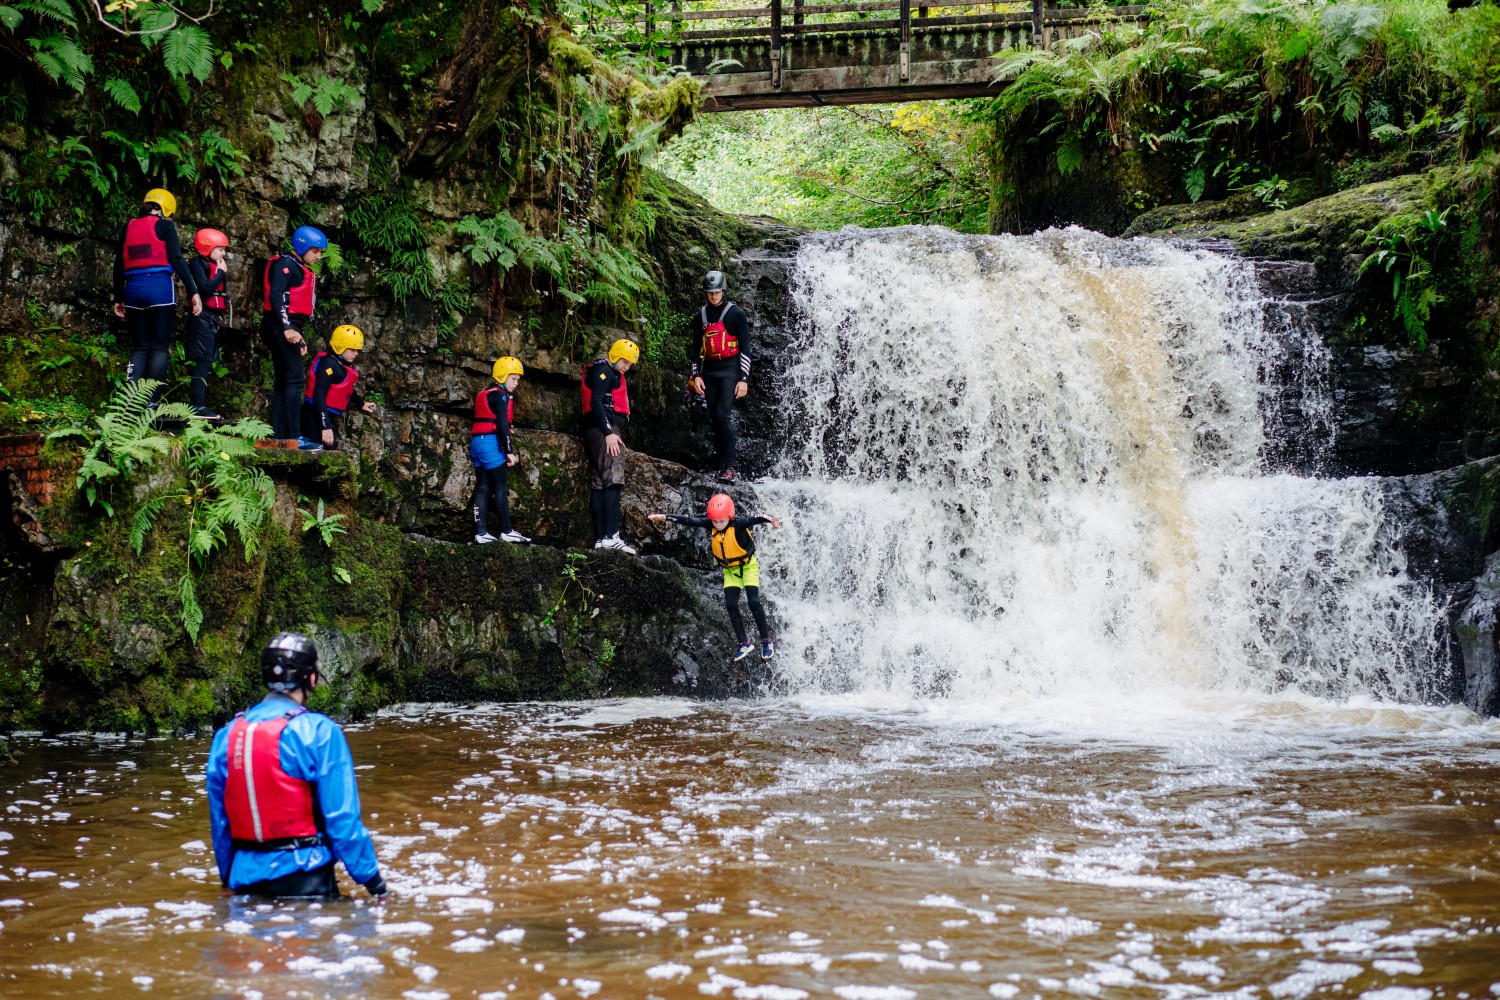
[(787, 849)]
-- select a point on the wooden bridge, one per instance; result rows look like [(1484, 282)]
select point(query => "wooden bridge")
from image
[(794, 53)]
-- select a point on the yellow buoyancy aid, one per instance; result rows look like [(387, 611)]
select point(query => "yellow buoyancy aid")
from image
[(732, 546)]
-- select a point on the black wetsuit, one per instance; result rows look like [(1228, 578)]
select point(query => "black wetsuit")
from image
[(151, 325), (202, 346), (492, 486), (316, 416), (607, 472), (288, 381), (721, 376)]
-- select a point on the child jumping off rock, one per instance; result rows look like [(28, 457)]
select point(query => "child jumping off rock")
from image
[(733, 548)]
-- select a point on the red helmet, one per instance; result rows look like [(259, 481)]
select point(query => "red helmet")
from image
[(205, 240), (720, 506)]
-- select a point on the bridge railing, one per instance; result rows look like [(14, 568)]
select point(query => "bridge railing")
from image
[(675, 21)]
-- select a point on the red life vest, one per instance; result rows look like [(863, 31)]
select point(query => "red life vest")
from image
[(484, 413), (143, 248), (301, 299), (339, 392), (264, 803), (718, 343), (618, 396), (213, 295)]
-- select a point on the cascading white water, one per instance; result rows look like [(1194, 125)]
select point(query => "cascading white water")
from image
[(1032, 466)]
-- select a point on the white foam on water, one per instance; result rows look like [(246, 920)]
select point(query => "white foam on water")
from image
[(1030, 476), (101, 917)]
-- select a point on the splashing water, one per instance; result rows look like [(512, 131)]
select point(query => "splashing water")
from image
[(1036, 467)]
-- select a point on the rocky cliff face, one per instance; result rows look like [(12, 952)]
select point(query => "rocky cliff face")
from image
[(459, 120)]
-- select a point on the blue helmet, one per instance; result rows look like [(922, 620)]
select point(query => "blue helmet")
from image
[(307, 237)]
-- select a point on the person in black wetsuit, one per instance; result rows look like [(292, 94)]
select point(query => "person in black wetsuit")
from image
[(492, 453), (331, 379), (203, 329), (606, 414), (291, 295), (149, 254), (733, 548), (722, 372)]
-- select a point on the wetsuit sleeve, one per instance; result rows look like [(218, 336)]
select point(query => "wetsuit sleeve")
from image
[(498, 400), (281, 285), (698, 336), (321, 756), (690, 520), (200, 275), (329, 371), (602, 386), (119, 273), (750, 522), (738, 325), (218, 816), (166, 231)]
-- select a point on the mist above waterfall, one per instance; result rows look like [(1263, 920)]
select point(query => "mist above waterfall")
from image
[(1036, 466)]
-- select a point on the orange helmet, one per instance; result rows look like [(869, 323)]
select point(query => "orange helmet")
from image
[(720, 506), (205, 240)]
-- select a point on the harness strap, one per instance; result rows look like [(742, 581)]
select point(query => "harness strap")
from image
[(279, 844)]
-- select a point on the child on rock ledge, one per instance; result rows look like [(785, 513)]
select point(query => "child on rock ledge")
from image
[(733, 548)]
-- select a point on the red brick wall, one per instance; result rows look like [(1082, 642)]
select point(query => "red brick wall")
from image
[(20, 454)]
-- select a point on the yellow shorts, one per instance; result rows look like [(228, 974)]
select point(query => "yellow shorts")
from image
[(747, 575)]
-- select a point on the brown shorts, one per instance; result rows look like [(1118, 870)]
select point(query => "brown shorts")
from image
[(604, 469)]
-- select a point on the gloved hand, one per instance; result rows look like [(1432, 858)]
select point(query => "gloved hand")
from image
[(376, 888)]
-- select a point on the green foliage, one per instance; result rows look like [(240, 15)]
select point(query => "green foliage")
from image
[(187, 51), (326, 525), (123, 439), (1406, 246), (1247, 94), (571, 578), (829, 167), (221, 491), (327, 94)]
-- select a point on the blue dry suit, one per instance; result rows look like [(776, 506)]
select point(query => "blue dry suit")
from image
[(313, 748)]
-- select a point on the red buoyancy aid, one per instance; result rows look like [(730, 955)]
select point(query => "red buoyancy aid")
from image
[(718, 343), (484, 413), (263, 802), (213, 295), (300, 298), (143, 248), (619, 396), (339, 392)]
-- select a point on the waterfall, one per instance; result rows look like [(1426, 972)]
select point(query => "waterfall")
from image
[(1036, 466)]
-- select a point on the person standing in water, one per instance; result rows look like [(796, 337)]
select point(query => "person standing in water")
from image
[(145, 297), (606, 414), (282, 800), (492, 452), (721, 374), (733, 548)]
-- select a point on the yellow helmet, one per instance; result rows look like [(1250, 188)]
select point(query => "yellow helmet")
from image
[(162, 197), (345, 337), (506, 367), (626, 349)]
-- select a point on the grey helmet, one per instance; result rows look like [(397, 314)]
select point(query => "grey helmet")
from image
[(288, 661), (714, 281)]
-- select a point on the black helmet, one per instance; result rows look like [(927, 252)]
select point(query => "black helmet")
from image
[(714, 281), (287, 661)]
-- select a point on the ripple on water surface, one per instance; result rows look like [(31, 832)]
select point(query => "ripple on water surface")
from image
[(1176, 845)]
